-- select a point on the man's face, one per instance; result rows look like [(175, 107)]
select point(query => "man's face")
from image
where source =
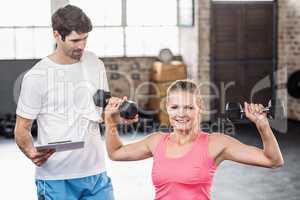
[(74, 44)]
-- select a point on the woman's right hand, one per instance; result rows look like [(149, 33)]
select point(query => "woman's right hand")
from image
[(111, 112)]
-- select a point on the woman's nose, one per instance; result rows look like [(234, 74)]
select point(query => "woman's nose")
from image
[(181, 112)]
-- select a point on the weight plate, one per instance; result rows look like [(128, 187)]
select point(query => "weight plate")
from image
[(293, 84), (165, 55)]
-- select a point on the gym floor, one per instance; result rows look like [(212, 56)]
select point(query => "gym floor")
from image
[(132, 180)]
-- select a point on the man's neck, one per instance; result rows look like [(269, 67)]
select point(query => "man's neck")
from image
[(59, 57)]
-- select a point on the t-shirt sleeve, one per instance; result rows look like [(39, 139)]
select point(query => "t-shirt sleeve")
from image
[(30, 99), (97, 76), (103, 83)]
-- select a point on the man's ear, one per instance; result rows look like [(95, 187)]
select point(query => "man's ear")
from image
[(57, 36)]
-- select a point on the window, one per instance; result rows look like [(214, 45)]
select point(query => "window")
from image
[(243, 0), (186, 12), (120, 27), (106, 41), (149, 40), (25, 30), (131, 27), (151, 13), (101, 12), (25, 13), (7, 41)]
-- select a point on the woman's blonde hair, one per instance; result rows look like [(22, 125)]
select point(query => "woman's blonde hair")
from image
[(183, 85)]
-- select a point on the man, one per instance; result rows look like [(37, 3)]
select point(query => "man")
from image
[(57, 92)]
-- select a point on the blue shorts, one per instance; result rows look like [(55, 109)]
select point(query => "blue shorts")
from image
[(97, 187)]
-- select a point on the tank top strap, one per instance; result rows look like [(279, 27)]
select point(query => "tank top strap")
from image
[(203, 138), (159, 149), (202, 148)]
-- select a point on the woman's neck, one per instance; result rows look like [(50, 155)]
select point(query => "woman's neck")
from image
[(182, 138)]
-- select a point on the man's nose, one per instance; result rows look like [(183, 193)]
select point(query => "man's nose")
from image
[(81, 45)]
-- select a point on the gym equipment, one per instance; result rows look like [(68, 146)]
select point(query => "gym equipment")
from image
[(293, 84), (128, 109), (275, 110), (34, 129), (7, 126), (165, 55)]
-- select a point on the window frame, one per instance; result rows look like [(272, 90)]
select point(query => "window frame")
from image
[(123, 26)]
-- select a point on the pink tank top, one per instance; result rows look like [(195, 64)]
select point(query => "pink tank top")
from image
[(188, 177)]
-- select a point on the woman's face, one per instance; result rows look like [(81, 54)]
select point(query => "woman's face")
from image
[(184, 110)]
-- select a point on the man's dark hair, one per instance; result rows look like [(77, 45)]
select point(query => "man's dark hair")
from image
[(70, 18)]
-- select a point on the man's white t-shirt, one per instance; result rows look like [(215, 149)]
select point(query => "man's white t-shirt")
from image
[(60, 97)]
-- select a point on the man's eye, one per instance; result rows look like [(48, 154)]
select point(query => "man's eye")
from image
[(75, 41)]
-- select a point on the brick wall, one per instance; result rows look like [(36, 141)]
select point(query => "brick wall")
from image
[(288, 51), (204, 53), (130, 77), (195, 48), (188, 45)]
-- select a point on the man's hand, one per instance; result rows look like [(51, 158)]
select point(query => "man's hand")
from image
[(40, 157)]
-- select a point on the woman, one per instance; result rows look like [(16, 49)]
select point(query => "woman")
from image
[(185, 160)]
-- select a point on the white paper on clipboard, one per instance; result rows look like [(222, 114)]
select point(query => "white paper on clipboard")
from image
[(61, 146)]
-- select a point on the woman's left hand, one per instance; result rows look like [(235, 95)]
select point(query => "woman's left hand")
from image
[(255, 113)]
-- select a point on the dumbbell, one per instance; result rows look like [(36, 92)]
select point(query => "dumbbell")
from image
[(128, 109), (235, 111)]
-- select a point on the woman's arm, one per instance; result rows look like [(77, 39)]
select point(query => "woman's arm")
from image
[(270, 156), (116, 150)]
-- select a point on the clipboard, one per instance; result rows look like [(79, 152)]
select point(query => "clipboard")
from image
[(61, 145)]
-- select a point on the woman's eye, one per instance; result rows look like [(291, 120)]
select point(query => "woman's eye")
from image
[(174, 107), (190, 107)]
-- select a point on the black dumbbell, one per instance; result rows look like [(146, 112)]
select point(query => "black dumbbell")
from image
[(128, 109), (235, 111)]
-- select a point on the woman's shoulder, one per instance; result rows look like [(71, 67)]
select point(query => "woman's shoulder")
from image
[(218, 139), (215, 136), (154, 138), (217, 143)]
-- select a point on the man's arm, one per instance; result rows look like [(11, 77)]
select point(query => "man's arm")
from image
[(24, 141)]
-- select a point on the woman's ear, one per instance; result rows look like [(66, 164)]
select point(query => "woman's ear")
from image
[(166, 104), (199, 102)]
